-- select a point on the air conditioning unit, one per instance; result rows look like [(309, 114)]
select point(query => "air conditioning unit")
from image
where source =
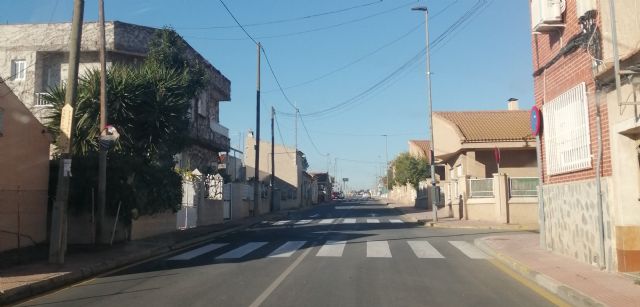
[(584, 6), (546, 15)]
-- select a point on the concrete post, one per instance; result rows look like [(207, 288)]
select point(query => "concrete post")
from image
[(500, 193)]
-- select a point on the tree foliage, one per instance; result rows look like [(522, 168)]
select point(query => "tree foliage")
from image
[(409, 169), (149, 105)]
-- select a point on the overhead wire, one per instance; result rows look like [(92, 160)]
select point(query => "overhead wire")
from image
[(281, 138), (413, 60), (287, 19), (310, 30)]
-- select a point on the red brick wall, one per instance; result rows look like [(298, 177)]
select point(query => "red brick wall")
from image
[(563, 75)]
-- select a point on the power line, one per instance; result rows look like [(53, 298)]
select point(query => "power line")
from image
[(276, 79), (310, 139), (281, 138), (313, 29), (404, 67), (360, 59), (238, 23), (287, 19)]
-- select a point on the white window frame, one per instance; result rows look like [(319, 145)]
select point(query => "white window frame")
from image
[(567, 138), (19, 69)]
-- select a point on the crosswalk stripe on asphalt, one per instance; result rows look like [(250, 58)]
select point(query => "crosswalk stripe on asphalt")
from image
[(373, 221), (378, 249), (332, 249), (301, 222), (326, 221), (469, 250), (287, 249), (242, 250), (278, 223), (348, 221), (396, 221), (424, 249), (198, 251)]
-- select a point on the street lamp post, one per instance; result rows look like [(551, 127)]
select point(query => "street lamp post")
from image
[(430, 104)]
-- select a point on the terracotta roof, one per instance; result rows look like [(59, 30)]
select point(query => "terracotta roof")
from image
[(489, 126), (424, 145)]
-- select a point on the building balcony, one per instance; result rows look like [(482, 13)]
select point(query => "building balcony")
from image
[(214, 136)]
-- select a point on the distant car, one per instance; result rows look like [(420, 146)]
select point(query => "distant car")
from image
[(366, 196)]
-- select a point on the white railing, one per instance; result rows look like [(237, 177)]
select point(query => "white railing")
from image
[(481, 187), (523, 186), (39, 100)]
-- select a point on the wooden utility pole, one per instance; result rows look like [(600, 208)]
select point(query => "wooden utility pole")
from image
[(102, 158), (58, 240), (272, 182), (256, 184)]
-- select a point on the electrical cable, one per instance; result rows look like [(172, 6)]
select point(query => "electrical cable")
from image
[(282, 138), (276, 79), (287, 19), (238, 23), (310, 139), (309, 30), (464, 18)]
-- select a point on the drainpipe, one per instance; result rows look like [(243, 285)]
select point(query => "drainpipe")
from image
[(601, 236)]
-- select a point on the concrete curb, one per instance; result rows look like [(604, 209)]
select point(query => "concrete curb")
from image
[(29, 290), (570, 295), (497, 227)]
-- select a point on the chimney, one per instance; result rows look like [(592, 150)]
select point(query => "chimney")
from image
[(512, 104)]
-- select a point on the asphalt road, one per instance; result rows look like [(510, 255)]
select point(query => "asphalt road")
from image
[(345, 254)]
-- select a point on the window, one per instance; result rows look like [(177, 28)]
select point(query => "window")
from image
[(567, 141), (19, 69)]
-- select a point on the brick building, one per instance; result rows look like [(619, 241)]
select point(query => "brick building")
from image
[(590, 189)]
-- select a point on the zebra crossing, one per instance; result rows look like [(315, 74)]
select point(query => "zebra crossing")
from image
[(422, 249), (336, 221)]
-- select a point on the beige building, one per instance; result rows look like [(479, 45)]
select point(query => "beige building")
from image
[(466, 144), (24, 175), (34, 57), (289, 172), (420, 149)]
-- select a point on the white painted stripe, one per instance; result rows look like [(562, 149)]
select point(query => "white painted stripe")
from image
[(365, 207), (396, 221), (332, 249), (326, 221), (278, 223), (242, 250), (378, 249), (301, 222), (348, 221), (344, 207), (198, 251), (469, 250), (423, 249), (287, 249), (373, 221)]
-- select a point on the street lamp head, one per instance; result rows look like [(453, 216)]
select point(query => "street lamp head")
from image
[(420, 8)]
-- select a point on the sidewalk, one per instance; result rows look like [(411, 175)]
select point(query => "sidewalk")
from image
[(577, 283), (24, 281), (420, 214)]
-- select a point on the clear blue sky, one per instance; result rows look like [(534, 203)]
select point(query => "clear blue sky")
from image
[(478, 67)]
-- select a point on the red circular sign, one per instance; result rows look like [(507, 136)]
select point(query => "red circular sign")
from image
[(536, 122)]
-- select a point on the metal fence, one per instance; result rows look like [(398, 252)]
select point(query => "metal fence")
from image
[(481, 187), (523, 186)]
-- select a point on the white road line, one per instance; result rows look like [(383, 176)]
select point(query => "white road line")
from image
[(396, 221), (242, 250), (278, 223), (301, 222), (332, 249), (326, 221), (287, 249), (423, 249), (348, 221), (469, 250), (344, 207), (373, 221), (198, 251), (378, 249)]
